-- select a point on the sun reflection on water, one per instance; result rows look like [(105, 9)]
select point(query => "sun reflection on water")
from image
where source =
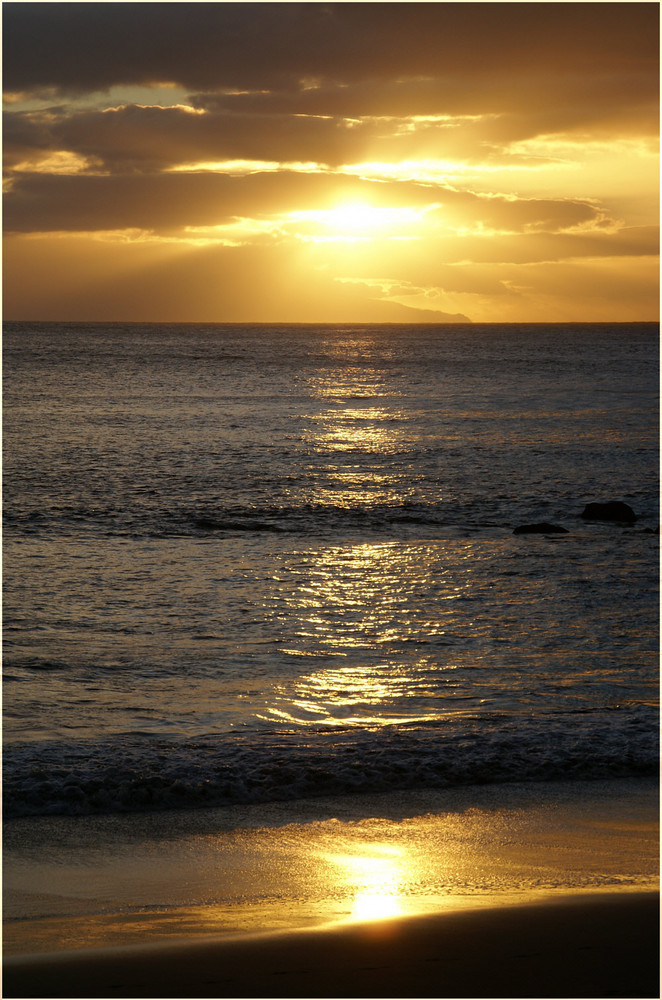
[(358, 424), (373, 429), (370, 618), (374, 878)]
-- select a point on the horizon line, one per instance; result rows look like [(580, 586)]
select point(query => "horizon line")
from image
[(284, 322)]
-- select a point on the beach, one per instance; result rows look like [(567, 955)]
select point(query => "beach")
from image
[(513, 891), (602, 946)]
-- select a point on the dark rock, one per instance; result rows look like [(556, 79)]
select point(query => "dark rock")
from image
[(613, 510), (542, 528)]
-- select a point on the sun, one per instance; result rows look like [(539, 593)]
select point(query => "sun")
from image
[(356, 220), (360, 216)]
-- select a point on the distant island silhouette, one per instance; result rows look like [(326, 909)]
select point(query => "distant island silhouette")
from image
[(395, 312)]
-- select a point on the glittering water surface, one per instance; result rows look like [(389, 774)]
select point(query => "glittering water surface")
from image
[(251, 563)]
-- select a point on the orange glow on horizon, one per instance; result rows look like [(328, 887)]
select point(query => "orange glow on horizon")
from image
[(378, 191)]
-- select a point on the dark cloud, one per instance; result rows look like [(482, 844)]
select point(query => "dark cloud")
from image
[(208, 46), (551, 101), (151, 139), (25, 137), (169, 202), (465, 210), (331, 84), (164, 202), (425, 262), (155, 138)]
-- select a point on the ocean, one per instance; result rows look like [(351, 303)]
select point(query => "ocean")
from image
[(249, 564)]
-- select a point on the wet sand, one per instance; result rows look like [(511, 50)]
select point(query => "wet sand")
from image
[(601, 945), (511, 892)]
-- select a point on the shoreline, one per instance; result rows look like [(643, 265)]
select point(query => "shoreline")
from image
[(533, 890), (601, 945), (82, 882)]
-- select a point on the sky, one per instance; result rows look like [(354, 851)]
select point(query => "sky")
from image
[(331, 162)]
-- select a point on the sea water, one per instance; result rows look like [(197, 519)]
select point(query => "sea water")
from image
[(267, 564)]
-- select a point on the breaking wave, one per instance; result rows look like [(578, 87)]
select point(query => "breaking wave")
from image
[(143, 773)]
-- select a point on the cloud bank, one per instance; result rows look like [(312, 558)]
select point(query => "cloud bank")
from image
[(345, 161)]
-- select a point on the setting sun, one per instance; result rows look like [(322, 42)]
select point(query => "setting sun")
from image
[(493, 168), (331, 520), (359, 220)]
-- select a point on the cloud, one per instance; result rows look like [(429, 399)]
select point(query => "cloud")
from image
[(331, 83), (156, 138), (517, 135), (168, 202), (547, 101), (139, 138), (604, 290), (90, 46), (433, 262), (465, 211), (164, 202)]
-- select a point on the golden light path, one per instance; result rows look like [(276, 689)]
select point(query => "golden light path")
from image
[(352, 604)]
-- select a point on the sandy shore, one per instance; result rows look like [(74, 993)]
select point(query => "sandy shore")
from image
[(534, 891), (601, 945)]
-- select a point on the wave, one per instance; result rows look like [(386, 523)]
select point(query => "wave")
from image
[(218, 520), (305, 519), (141, 772)]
